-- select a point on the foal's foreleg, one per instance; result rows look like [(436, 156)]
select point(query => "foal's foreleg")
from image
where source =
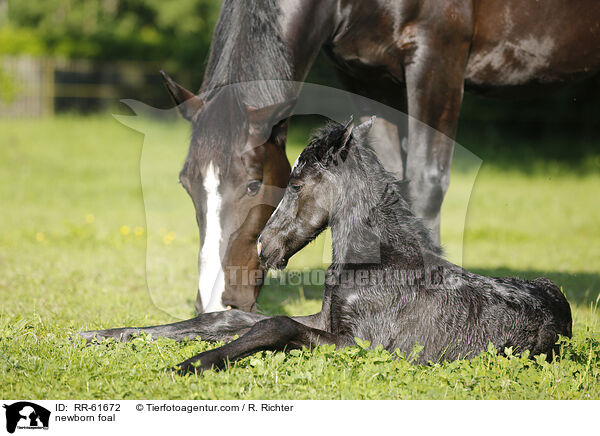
[(277, 334), (215, 326)]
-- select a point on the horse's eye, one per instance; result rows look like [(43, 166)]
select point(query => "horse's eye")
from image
[(253, 187), (295, 187)]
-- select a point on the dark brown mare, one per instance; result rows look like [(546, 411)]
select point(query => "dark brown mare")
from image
[(414, 55)]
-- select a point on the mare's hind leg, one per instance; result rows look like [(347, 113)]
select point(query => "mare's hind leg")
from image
[(277, 334), (215, 326)]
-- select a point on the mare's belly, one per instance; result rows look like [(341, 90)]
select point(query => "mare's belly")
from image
[(528, 43)]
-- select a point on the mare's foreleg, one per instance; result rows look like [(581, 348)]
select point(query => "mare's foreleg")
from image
[(435, 91)]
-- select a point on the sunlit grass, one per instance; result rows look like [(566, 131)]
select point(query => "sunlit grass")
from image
[(73, 241)]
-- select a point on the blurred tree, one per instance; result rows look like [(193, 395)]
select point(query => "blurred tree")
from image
[(3, 12), (177, 33)]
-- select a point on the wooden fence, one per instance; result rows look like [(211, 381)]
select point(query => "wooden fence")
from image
[(39, 87)]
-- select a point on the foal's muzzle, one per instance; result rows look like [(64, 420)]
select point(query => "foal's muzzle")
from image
[(270, 259)]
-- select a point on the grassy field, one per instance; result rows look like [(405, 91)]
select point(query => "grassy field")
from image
[(73, 241)]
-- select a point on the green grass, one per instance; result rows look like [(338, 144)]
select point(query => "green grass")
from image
[(69, 185)]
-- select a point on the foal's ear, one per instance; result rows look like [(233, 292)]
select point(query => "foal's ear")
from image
[(360, 133), (348, 129), (188, 103), (338, 151)]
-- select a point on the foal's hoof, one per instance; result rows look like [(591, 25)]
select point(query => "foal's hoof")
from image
[(195, 365), (184, 369), (88, 336)]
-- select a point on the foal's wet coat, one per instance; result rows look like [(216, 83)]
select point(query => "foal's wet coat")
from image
[(387, 283)]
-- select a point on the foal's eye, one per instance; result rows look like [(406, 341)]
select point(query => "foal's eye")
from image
[(253, 187), (295, 187)]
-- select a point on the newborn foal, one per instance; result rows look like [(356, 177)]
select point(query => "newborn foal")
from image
[(387, 283)]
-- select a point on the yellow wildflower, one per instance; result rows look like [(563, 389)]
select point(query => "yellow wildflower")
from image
[(169, 237)]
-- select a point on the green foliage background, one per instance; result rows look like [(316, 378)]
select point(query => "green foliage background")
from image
[(178, 33)]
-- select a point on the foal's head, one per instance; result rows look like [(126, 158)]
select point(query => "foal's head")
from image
[(310, 196)]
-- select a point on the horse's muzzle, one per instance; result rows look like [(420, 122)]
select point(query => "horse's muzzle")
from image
[(273, 260)]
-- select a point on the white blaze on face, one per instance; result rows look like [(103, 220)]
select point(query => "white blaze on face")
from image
[(211, 282)]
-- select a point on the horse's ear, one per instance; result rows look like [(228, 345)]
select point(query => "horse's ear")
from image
[(360, 133), (187, 102), (262, 120), (348, 129), (338, 151)]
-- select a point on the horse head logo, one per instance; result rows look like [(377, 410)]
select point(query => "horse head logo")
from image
[(24, 414)]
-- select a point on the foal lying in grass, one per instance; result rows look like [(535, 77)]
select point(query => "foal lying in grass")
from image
[(387, 283)]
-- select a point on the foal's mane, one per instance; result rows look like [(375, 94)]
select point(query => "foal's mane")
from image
[(385, 196)]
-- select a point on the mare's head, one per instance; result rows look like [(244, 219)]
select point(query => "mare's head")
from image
[(235, 173), (310, 196)]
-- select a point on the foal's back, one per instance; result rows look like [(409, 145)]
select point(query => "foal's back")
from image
[(411, 294), (454, 314)]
